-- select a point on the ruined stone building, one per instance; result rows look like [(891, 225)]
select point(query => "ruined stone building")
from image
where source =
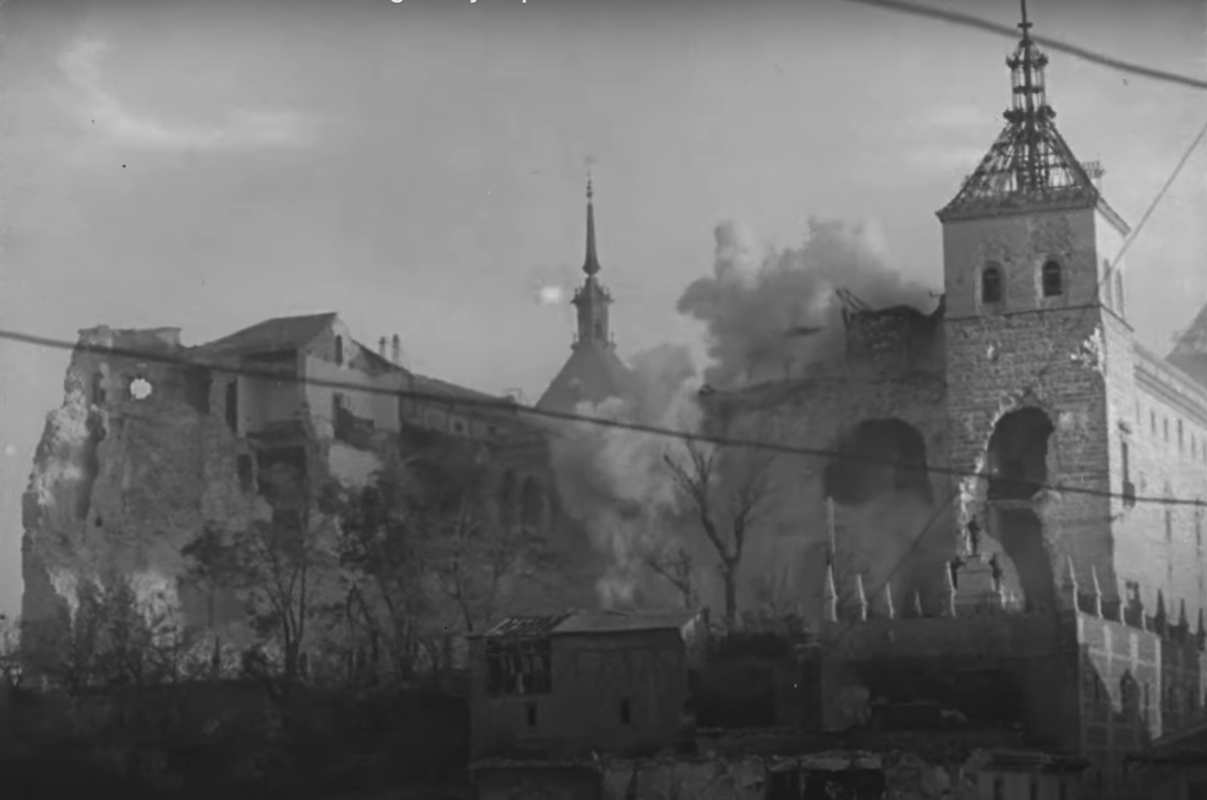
[(156, 441), (1047, 427)]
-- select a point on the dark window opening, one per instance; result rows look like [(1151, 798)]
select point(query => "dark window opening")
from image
[(519, 668), (1064, 790), (1107, 284), (100, 523), (1033, 789), (98, 389), (1129, 489), (1168, 525), (339, 350), (1198, 526), (243, 465), (1053, 283), (1018, 454), (531, 503), (991, 285), (999, 788), (626, 715), (530, 710), (232, 405), (1152, 421), (1179, 435)]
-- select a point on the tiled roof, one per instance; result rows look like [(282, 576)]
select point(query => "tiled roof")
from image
[(525, 627), (271, 335), (592, 374)]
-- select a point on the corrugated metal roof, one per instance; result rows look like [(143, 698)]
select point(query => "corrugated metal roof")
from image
[(619, 622), (586, 622), (525, 627)]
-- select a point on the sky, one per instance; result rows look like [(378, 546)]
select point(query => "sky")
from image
[(418, 167)]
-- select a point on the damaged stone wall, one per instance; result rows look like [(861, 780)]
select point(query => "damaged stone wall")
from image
[(121, 483), (873, 412), (1038, 353)]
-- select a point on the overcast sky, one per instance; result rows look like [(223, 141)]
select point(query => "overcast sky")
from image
[(418, 167)]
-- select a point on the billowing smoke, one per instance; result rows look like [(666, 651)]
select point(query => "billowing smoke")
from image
[(768, 315), (615, 479)]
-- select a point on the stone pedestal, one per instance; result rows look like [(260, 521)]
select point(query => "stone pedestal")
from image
[(978, 590)]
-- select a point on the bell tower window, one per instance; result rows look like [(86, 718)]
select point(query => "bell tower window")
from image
[(1052, 279), (991, 284)]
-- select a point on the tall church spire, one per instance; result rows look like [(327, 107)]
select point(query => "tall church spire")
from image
[(592, 299), (591, 264)]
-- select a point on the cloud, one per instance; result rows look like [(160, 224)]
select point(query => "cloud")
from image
[(100, 108)]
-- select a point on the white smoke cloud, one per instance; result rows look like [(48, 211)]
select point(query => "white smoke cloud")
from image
[(760, 308), (762, 321)]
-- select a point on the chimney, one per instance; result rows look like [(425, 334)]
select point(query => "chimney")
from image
[(396, 350), (381, 347)]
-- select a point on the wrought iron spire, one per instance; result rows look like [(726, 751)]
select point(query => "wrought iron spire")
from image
[(591, 264), (1029, 165)]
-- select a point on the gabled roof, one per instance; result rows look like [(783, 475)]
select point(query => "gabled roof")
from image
[(592, 374), (272, 335), (1029, 166)]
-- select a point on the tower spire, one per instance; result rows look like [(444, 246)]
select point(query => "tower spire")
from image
[(591, 263)]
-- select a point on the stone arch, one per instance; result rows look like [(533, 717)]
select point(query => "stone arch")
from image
[(1021, 535), (1018, 454), (532, 503), (877, 457)]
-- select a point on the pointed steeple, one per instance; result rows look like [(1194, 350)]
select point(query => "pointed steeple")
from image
[(591, 263), (592, 299), (1030, 165)]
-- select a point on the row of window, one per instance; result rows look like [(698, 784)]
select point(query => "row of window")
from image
[(1052, 284), (993, 283), (1159, 428)]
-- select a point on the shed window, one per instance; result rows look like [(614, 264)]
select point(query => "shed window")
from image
[(991, 284), (1053, 281)]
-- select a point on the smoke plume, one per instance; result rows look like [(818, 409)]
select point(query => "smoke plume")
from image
[(767, 314), (771, 314)]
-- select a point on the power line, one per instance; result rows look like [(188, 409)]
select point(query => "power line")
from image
[(514, 409), (1101, 59)]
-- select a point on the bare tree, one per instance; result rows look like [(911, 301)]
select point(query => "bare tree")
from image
[(675, 565), (112, 639), (381, 549), (727, 491), (477, 543)]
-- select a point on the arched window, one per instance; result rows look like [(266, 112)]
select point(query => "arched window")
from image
[(1053, 281), (98, 389), (991, 284)]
